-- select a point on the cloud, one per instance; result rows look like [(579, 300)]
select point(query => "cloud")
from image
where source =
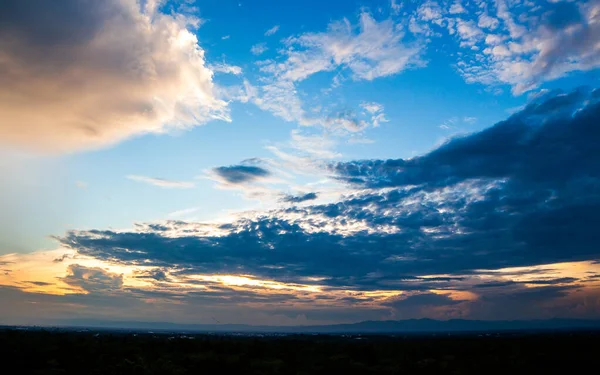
[(228, 69), (505, 150), (372, 107), (259, 49), (162, 182), (300, 198), (369, 50), (92, 280), (90, 74), (317, 146), (560, 39), (272, 30), (62, 258), (468, 32), (430, 11), (514, 195), (183, 213), (238, 174), (488, 22), (364, 51), (457, 8), (395, 7)]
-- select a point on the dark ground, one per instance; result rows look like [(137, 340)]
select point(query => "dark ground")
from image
[(64, 352)]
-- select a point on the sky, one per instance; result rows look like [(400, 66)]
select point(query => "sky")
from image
[(291, 163)]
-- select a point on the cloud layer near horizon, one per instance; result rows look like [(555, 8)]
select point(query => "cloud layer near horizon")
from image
[(92, 73), (498, 224)]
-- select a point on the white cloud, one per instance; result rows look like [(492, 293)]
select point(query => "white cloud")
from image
[(259, 49), (272, 30), (94, 73), (316, 146), (280, 99), (487, 22), (395, 7), (431, 11), (376, 111), (493, 39), (369, 50), (162, 182), (227, 69), (457, 8), (468, 32), (372, 107), (515, 30), (225, 37), (562, 39)]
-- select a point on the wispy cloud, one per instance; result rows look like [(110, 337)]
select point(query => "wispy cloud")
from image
[(183, 213), (272, 30), (237, 174), (367, 50), (226, 68), (259, 49), (162, 182)]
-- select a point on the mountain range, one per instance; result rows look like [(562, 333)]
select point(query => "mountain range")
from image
[(371, 327)]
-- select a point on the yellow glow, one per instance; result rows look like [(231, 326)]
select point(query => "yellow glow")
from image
[(42, 272), (456, 295), (577, 270), (245, 280)]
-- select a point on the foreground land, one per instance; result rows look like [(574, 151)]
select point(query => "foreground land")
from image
[(104, 352)]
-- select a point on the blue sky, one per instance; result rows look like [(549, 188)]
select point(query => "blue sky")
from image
[(147, 128)]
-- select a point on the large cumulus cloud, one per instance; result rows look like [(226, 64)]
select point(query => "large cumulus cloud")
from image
[(521, 193), (78, 74)]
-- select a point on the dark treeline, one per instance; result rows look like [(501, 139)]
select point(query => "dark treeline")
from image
[(59, 352)]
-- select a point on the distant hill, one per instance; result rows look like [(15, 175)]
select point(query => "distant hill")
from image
[(373, 327)]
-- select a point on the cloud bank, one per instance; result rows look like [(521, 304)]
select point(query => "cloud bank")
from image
[(520, 194)]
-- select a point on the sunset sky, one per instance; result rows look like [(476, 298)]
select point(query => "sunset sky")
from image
[(299, 162)]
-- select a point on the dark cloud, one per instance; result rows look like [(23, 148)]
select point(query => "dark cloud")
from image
[(533, 146), (157, 275), (562, 14), (299, 198), (61, 258), (523, 192), (501, 284), (38, 283), (92, 279), (238, 174), (510, 303)]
